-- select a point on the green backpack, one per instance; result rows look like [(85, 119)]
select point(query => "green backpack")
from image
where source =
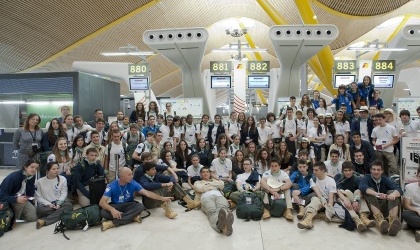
[(7, 218), (249, 206), (277, 207), (82, 218)]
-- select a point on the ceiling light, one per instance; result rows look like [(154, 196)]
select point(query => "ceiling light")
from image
[(392, 49), (39, 103), (132, 53), (361, 48), (12, 102), (236, 50)]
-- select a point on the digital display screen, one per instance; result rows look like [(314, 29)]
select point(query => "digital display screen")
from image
[(221, 82), (383, 81), (139, 83), (259, 82), (343, 80)]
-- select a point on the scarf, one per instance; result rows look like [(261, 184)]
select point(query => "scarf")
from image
[(149, 177)]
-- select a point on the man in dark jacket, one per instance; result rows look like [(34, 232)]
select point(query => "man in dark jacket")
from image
[(382, 195), (18, 189), (365, 146), (364, 124), (83, 172), (163, 185)]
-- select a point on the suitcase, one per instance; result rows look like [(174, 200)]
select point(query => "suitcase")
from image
[(97, 186)]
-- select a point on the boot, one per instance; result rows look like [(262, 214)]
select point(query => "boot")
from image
[(394, 225), (168, 211), (306, 223), (228, 230), (190, 203), (359, 224), (320, 216), (288, 214), (417, 236), (137, 219), (107, 225), (364, 217), (266, 214), (40, 223), (382, 223), (197, 198), (232, 205), (301, 213)]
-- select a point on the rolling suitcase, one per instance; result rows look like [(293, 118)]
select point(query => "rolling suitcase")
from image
[(97, 186)]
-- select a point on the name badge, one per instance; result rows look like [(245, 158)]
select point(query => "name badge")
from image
[(121, 198), (191, 135), (383, 141), (34, 144)]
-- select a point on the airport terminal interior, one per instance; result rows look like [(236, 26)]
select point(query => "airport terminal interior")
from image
[(213, 58)]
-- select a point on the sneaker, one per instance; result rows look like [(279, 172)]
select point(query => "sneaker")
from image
[(417, 236), (40, 223), (137, 219), (221, 219), (228, 230)]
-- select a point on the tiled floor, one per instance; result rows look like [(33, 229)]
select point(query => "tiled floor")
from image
[(191, 230)]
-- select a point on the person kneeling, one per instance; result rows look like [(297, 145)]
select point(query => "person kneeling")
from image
[(213, 203), (51, 194), (123, 209), (163, 185), (382, 194)]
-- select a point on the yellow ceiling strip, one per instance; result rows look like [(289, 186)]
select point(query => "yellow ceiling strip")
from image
[(251, 43), (394, 33), (279, 20), (325, 55), (93, 35), (310, 79)]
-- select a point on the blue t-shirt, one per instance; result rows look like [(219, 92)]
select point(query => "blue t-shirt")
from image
[(121, 194)]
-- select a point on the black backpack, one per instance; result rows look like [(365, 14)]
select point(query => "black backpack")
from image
[(249, 206), (7, 218)]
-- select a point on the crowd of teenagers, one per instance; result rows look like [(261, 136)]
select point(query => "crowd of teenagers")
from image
[(335, 161)]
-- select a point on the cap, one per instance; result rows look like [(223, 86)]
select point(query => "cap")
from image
[(364, 108), (305, 139), (274, 183), (328, 115), (169, 117), (389, 110), (299, 110), (321, 115)]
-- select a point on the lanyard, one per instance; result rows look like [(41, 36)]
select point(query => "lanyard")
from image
[(33, 135)]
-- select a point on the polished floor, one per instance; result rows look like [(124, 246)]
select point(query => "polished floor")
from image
[(191, 230)]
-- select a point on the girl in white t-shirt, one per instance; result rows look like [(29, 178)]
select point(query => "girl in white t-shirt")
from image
[(194, 170), (251, 153), (169, 133), (317, 136), (263, 161), (222, 142)]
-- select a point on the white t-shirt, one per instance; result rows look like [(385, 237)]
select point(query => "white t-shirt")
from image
[(165, 134), (203, 131), (228, 153), (397, 124), (289, 126), (313, 133), (275, 127), (62, 167), (115, 149), (264, 134), (411, 127), (194, 171), (326, 186), (384, 135), (214, 132), (341, 128), (364, 134), (280, 177), (241, 179), (102, 136), (333, 169), (412, 192), (261, 168), (221, 169), (190, 131), (232, 128)]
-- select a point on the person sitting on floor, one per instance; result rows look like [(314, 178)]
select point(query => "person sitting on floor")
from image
[(381, 194), (51, 194), (351, 198), (325, 190), (411, 203), (123, 209), (301, 188), (18, 189), (280, 176), (213, 203), (83, 172), (163, 185)]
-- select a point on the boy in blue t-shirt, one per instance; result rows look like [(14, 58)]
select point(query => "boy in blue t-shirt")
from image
[(123, 209)]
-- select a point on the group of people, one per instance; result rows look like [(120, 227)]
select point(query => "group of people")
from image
[(330, 163)]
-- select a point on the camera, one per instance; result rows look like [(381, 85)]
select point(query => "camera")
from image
[(35, 149)]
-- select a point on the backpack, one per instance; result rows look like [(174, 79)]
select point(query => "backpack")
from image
[(7, 218), (277, 207), (81, 218), (128, 160), (249, 206)]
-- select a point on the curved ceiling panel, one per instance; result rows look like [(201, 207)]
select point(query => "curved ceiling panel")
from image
[(363, 7)]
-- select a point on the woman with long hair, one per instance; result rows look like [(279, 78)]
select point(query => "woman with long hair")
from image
[(68, 123), (177, 126), (237, 163), (305, 103), (270, 147), (317, 136), (263, 161), (182, 155), (51, 193), (153, 110), (114, 126), (249, 132), (78, 146), (55, 130), (329, 130), (169, 133), (323, 108), (241, 119), (285, 158), (342, 126), (235, 146), (137, 113), (27, 140), (366, 88), (251, 152), (203, 153), (221, 142), (62, 156), (343, 149)]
